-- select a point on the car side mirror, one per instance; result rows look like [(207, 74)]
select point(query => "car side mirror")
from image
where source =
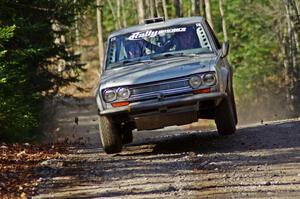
[(225, 49)]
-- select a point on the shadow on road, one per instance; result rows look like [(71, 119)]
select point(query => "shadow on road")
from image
[(76, 120), (268, 136)]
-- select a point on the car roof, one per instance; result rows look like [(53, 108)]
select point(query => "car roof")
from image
[(163, 24)]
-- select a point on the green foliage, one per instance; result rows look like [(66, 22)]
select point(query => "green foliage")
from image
[(30, 51), (14, 115), (254, 54)]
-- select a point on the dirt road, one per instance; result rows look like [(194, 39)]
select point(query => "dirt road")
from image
[(259, 161)]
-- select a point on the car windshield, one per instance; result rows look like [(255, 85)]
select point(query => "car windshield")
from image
[(161, 43)]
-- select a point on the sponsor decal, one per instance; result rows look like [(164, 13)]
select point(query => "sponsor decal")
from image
[(153, 33)]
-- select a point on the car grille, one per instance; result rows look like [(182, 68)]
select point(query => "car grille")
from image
[(159, 89)]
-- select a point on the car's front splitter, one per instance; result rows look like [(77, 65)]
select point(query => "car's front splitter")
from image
[(144, 106)]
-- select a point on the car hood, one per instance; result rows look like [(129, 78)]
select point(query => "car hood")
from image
[(157, 70)]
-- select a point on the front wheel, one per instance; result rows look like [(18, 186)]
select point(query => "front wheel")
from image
[(224, 117), (110, 135)]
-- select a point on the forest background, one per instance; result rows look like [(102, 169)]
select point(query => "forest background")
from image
[(48, 47)]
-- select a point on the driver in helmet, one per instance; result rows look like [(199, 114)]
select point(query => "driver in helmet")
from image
[(184, 40), (133, 49)]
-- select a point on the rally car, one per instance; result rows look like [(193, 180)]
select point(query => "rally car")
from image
[(163, 73)]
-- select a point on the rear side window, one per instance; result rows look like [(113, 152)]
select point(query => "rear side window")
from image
[(215, 40)]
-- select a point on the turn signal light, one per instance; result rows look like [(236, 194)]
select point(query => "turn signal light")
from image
[(118, 104), (205, 90)]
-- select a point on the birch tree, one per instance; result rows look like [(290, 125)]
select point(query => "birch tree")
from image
[(202, 5), (115, 18), (140, 10), (190, 10), (157, 8), (124, 21), (119, 13), (196, 7), (152, 8), (177, 8), (99, 4), (208, 13), (223, 20), (291, 51), (164, 4), (77, 34)]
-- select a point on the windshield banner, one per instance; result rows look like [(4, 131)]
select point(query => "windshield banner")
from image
[(151, 33)]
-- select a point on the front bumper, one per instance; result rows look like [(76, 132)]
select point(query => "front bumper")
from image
[(150, 105)]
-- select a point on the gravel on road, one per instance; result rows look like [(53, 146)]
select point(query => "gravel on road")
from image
[(259, 161)]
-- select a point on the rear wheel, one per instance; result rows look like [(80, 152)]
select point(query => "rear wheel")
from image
[(233, 106), (224, 117), (230, 93), (110, 135)]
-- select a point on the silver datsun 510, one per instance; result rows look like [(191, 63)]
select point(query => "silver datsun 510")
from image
[(164, 73)]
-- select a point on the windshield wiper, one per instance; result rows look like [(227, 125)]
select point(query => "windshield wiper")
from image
[(129, 62), (167, 55), (179, 54)]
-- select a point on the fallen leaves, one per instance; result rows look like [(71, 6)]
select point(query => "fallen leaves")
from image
[(18, 163)]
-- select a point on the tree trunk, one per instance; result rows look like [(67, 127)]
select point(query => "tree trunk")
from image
[(158, 13), (295, 7), (284, 50), (123, 14), (99, 4), (147, 8), (177, 8), (208, 13), (113, 14), (296, 21), (140, 10), (190, 10), (119, 13), (164, 4), (152, 8), (223, 20), (196, 7), (203, 13), (77, 34), (298, 5), (181, 8), (293, 47), (290, 57)]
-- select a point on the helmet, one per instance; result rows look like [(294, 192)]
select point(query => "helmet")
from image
[(133, 49)]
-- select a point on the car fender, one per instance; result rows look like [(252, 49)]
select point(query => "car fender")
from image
[(222, 74), (224, 78), (99, 101)]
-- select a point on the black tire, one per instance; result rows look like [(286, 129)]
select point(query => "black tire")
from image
[(110, 135), (126, 131), (224, 117), (232, 99), (127, 136), (233, 106)]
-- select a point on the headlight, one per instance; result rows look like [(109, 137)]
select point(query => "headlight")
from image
[(195, 81), (109, 95), (123, 93), (209, 79)]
